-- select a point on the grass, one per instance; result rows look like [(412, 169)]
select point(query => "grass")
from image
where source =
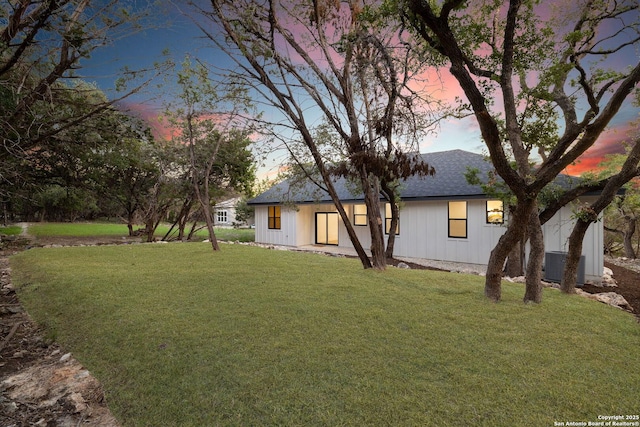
[(227, 234), (248, 336), (12, 230), (92, 229), (77, 229)]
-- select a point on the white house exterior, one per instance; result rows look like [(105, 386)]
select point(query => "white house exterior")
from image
[(225, 213), (441, 218)]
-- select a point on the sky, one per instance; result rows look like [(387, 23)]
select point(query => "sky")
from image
[(178, 34)]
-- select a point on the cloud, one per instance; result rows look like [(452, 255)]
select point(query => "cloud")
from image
[(161, 127), (610, 142), (152, 116)]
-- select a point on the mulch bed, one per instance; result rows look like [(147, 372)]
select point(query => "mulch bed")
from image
[(628, 286)]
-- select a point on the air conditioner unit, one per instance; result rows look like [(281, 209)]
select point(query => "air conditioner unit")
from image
[(554, 266)]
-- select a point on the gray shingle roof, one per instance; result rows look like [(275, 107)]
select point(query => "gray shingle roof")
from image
[(448, 182)]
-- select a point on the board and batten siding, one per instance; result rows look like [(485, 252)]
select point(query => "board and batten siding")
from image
[(285, 236), (297, 226), (424, 233)]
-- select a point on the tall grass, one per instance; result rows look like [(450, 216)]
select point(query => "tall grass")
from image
[(249, 336)]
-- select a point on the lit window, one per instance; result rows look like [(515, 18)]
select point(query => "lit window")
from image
[(387, 220), (495, 212), (359, 215), (221, 216), (274, 217), (458, 219)]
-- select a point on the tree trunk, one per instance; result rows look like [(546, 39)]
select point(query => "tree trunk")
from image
[(192, 230), (371, 190), (355, 241), (150, 229), (393, 226), (627, 235), (183, 217), (182, 224), (389, 194), (515, 261), (533, 283), (570, 272), (590, 214), (131, 212), (514, 234), (206, 209), (205, 204)]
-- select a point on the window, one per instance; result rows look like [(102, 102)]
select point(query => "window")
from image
[(221, 216), (274, 217), (387, 220), (458, 219), (359, 215), (495, 212)]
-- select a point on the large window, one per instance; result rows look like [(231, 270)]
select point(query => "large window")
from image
[(221, 216), (387, 220), (359, 215), (274, 217), (495, 212), (458, 219)]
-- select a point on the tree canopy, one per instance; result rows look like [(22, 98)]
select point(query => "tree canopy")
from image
[(340, 64), (536, 82)]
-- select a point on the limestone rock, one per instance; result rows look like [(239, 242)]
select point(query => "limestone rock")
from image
[(50, 384), (611, 298)]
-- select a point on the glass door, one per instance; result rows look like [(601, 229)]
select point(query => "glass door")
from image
[(327, 228)]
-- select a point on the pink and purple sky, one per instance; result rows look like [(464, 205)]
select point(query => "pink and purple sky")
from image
[(181, 37)]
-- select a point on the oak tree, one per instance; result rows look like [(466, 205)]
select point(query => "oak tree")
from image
[(331, 61), (519, 63)]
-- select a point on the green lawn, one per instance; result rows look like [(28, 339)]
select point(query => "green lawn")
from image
[(77, 229), (12, 230), (230, 234), (90, 229), (250, 337)]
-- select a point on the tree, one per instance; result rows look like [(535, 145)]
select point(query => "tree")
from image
[(125, 172), (217, 150), (588, 214), (330, 60), (244, 212), (42, 47), (164, 189), (621, 218), (508, 51), (101, 167)]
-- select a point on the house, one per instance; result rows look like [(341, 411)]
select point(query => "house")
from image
[(442, 217), (225, 213)]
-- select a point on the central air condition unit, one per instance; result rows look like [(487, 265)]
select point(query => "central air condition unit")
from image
[(554, 265)]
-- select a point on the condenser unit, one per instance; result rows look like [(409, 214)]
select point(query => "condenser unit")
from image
[(554, 266)]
